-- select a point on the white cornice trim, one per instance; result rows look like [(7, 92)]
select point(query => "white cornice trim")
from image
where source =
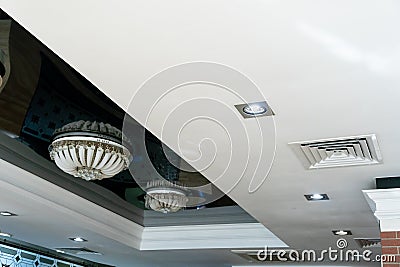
[(95, 218), (241, 235), (113, 226), (385, 203)]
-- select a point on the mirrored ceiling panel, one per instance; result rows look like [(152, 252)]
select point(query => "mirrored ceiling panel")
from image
[(46, 106)]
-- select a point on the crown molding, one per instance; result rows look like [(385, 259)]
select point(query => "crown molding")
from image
[(385, 203), (239, 235), (90, 216), (216, 215), (87, 215)]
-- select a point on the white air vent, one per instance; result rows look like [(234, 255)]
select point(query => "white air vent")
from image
[(338, 152), (269, 255)]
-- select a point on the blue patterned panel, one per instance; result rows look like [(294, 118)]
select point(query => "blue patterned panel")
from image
[(13, 257)]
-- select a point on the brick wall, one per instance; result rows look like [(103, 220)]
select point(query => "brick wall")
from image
[(391, 246)]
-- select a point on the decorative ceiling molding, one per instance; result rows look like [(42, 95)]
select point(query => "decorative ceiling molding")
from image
[(101, 221), (217, 215), (240, 235), (95, 218), (385, 203)]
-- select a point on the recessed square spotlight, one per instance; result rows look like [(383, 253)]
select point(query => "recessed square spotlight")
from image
[(316, 197), (7, 213), (255, 109), (5, 234), (78, 239), (342, 232)]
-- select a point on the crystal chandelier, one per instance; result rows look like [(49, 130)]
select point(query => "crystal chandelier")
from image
[(164, 196), (89, 150)]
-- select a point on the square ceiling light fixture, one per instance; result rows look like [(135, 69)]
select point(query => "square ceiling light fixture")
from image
[(3, 234), (316, 197), (342, 232), (77, 239), (7, 213), (254, 109)]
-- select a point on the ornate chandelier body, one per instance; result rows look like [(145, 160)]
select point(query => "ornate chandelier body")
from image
[(89, 150), (164, 196)]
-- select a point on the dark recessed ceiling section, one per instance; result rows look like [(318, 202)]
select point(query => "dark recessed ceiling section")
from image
[(44, 93), (387, 182)]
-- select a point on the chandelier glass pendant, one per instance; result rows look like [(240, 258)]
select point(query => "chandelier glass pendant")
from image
[(89, 150), (165, 196)]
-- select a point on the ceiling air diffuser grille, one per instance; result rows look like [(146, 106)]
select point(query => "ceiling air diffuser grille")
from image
[(264, 255), (368, 242), (338, 152)]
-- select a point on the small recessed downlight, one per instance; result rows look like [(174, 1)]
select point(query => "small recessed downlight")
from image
[(7, 213), (316, 197), (77, 239), (341, 232), (255, 109)]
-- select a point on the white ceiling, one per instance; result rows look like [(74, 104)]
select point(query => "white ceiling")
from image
[(327, 68)]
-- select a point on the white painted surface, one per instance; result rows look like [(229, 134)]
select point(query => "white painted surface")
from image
[(243, 235)]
